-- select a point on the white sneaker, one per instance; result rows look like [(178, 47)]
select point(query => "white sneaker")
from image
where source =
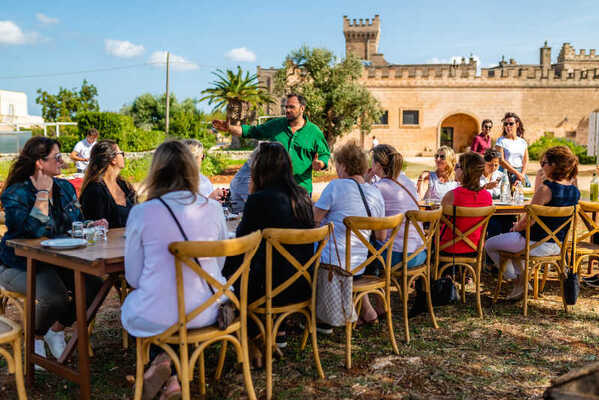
[(40, 349), (56, 342)]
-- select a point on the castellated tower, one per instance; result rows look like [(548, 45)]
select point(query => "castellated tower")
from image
[(362, 39)]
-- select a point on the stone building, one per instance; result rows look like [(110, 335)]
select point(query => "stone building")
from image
[(13, 111), (428, 105)]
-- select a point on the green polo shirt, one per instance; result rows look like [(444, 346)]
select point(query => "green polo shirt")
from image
[(302, 146)]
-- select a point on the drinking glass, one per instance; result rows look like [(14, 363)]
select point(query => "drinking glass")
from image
[(101, 232), (77, 230), (90, 233)]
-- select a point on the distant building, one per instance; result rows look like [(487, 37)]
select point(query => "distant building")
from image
[(428, 105), (13, 111)]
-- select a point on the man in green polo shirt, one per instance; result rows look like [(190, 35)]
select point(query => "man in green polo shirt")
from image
[(307, 147)]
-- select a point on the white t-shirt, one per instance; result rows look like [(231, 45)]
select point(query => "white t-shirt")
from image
[(342, 199), (513, 150), (497, 175), (205, 186), (398, 201), (83, 148)]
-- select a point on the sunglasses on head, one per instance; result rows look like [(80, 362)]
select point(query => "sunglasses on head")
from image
[(440, 156), (509, 123)]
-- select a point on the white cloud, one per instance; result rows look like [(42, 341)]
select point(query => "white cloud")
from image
[(10, 33), (123, 48), (44, 19), (241, 54), (176, 62)]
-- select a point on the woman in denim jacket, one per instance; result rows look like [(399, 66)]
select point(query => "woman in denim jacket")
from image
[(37, 204)]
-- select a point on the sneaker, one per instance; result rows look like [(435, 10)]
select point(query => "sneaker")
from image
[(281, 340), (40, 350), (56, 342), (593, 284), (321, 327), (594, 278)]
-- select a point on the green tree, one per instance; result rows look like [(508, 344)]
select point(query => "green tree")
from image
[(65, 105), (336, 101), (236, 93)]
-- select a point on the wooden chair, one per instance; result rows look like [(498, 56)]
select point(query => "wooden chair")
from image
[(532, 263), (466, 262), (585, 248), (366, 285), (402, 277), (275, 315), (236, 333), (10, 333)]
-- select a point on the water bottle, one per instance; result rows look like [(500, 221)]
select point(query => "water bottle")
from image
[(594, 189), (506, 194), (518, 194)]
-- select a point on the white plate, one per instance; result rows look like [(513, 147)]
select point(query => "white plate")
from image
[(64, 244), (502, 203)]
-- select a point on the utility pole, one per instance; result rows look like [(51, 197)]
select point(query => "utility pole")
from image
[(167, 94)]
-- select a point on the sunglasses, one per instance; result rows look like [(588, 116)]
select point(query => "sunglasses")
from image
[(543, 163), (57, 157), (440, 156), (488, 126), (509, 123), (121, 153), (458, 166)]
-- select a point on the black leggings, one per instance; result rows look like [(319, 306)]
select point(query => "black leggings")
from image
[(54, 293)]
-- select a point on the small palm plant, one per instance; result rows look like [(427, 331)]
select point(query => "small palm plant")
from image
[(235, 92)]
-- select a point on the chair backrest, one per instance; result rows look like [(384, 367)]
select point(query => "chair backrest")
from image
[(536, 212), (484, 213), (278, 238), (426, 224), (185, 254), (592, 228), (354, 225)]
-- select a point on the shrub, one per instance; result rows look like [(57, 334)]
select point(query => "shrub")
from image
[(136, 169), (67, 142), (536, 149), (139, 140), (111, 125), (213, 164)]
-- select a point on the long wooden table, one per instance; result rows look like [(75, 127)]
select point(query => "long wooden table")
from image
[(500, 209), (103, 259)]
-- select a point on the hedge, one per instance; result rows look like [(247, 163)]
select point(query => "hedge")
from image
[(536, 149)]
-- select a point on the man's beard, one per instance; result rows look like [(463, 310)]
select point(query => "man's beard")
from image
[(293, 119)]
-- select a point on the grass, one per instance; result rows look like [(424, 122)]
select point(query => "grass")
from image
[(502, 356)]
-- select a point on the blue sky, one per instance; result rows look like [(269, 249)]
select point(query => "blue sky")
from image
[(59, 37)]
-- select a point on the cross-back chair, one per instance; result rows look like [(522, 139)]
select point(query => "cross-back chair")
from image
[(471, 261), (380, 287), (426, 223), (10, 334), (185, 254), (533, 263), (585, 248), (276, 240)]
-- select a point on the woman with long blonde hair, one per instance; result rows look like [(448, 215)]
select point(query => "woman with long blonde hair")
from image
[(433, 185), (151, 308)]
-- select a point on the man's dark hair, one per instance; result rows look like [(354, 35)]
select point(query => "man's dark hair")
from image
[(92, 132), (300, 98), (485, 122)]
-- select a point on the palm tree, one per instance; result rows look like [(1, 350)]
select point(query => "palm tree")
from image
[(234, 90)]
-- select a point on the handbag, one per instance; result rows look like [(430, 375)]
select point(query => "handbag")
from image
[(226, 310), (334, 300), (443, 290), (571, 284)]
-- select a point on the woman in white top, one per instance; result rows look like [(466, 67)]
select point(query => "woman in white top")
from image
[(341, 198), (492, 176), (151, 307), (433, 185), (513, 149), (206, 189)]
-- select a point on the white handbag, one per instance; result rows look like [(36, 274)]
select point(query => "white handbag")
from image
[(334, 302)]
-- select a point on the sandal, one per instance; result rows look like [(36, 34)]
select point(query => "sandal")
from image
[(172, 389), (362, 322), (156, 376)]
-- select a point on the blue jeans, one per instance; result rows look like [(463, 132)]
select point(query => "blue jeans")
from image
[(396, 257)]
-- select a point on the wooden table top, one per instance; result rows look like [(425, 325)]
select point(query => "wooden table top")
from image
[(499, 207), (99, 259)]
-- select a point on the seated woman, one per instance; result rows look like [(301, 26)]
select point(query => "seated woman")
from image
[(343, 198), (38, 204), (560, 167), (400, 195), (206, 189), (104, 193), (433, 185), (275, 201), (151, 307)]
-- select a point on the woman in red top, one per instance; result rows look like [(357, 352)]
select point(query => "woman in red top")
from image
[(482, 141), (468, 172)]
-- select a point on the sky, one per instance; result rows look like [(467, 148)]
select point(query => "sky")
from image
[(119, 46)]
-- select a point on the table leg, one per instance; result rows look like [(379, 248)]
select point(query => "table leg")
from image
[(83, 340), (30, 317)]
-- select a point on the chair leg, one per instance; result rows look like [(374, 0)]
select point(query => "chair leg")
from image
[(429, 300), (90, 328), (502, 263), (477, 282), (315, 346), (139, 370), (546, 269), (184, 378), (306, 333), (561, 289), (535, 282), (122, 295), (525, 298), (463, 284), (268, 342), (390, 321), (245, 362), (348, 333), (221, 360), (19, 369), (202, 374)]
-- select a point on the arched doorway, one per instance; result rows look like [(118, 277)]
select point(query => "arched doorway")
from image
[(457, 131)]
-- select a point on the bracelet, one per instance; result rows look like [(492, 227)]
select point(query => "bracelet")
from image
[(43, 191)]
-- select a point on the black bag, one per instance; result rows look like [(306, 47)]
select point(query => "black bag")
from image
[(443, 292), (226, 310), (571, 288)]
